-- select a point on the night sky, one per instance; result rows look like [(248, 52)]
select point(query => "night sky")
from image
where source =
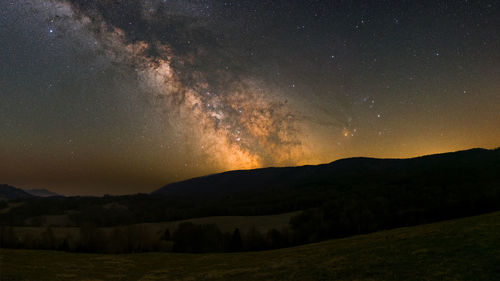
[(115, 96)]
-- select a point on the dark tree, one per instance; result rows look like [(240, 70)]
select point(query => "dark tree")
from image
[(8, 239), (236, 244), (48, 240), (92, 239), (166, 235)]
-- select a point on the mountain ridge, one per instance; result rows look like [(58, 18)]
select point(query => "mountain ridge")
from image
[(11, 192), (346, 167), (41, 192)]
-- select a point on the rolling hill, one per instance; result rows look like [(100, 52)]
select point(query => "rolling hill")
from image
[(9, 192), (402, 191), (12, 193), (344, 198), (42, 192), (450, 167), (462, 249)]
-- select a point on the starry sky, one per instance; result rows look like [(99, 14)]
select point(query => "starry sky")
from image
[(116, 96)]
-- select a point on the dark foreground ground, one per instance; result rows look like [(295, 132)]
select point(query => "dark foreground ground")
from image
[(462, 249)]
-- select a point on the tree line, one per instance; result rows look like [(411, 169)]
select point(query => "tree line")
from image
[(349, 212), (187, 238), (364, 196)]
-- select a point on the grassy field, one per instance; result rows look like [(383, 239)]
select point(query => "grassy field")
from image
[(463, 249), (10, 206), (224, 223)]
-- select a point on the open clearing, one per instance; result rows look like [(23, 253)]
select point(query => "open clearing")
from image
[(462, 249), (224, 223)]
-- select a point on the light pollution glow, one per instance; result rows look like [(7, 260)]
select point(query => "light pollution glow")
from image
[(208, 107)]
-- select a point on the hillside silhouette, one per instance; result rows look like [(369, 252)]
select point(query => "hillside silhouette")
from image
[(453, 167), (8, 192), (41, 192), (343, 198)]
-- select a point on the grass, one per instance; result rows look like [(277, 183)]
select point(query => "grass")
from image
[(10, 206), (462, 249), (229, 223), (224, 223)]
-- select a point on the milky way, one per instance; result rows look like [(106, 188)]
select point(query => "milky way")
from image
[(101, 96), (228, 116)]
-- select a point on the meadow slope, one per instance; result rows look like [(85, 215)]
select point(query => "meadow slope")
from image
[(226, 224), (462, 249)]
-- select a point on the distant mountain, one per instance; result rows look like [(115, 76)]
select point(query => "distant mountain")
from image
[(9, 192), (41, 192), (387, 192), (447, 168)]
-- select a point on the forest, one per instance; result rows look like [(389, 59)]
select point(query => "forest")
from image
[(367, 195)]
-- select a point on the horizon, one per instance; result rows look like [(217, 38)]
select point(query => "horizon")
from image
[(243, 139), (207, 175), (117, 97)]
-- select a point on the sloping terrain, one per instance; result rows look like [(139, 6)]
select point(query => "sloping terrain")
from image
[(226, 224), (8, 192), (447, 167), (462, 249), (40, 192), (386, 193)]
